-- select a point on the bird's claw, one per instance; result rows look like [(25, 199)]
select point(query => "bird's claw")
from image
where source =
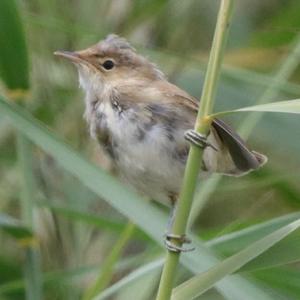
[(182, 239), (198, 139)]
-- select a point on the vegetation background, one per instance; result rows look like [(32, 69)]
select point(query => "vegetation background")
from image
[(76, 229)]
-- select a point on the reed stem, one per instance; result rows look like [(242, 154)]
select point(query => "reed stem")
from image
[(195, 156), (32, 270)]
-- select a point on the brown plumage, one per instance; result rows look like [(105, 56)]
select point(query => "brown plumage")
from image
[(141, 119)]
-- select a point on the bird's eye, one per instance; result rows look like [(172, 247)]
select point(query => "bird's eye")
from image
[(108, 64)]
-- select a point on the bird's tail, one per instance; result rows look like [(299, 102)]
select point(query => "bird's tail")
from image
[(232, 156)]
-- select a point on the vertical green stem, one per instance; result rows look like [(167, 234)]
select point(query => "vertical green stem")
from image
[(195, 155), (25, 162), (32, 256)]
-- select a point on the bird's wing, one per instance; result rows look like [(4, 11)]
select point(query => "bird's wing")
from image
[(175, 105), (241, 159)]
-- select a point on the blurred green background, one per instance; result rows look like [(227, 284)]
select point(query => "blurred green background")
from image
[(176, 35)]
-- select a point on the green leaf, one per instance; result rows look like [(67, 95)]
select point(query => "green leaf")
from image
[(284, 252), (148, 217), (143, 288), (134, 276), (274, 278), (32, 266), (289, 106), (235, 241), (14, 227), (83, 216), (91, 219), (106, 272), (200, 283), (13, 52)]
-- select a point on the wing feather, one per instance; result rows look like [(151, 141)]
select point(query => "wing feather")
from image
[(175, 104), (243, 158)]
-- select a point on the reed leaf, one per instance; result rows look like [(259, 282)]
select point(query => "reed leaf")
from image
[(197, 285), (14, 65)]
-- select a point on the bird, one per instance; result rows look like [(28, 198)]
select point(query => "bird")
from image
[(144, 122)]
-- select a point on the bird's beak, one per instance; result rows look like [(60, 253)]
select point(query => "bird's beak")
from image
[(72, 56)]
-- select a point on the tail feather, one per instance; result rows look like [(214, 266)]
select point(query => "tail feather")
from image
[(234, 158)]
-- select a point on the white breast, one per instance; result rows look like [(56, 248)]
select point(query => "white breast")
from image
[(143, 159), (146, 163)]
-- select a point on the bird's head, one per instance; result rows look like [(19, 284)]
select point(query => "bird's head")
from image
[(111, 62)]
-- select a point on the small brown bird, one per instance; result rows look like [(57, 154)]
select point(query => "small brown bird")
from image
[(145, 122)]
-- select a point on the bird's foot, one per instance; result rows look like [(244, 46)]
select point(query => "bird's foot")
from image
[(182, 239), (198, 139)]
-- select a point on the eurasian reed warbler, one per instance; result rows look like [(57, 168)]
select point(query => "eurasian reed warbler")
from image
[(145, 122)]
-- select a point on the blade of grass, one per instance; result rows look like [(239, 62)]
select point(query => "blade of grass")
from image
[(32, 270), (153, 266), (86, 217), (91, 219), (25, 156), (13, 51), (106, 273), (197, 285), (288, 106), (14, 70), (233, 242), (143, 288), (285, 252)]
